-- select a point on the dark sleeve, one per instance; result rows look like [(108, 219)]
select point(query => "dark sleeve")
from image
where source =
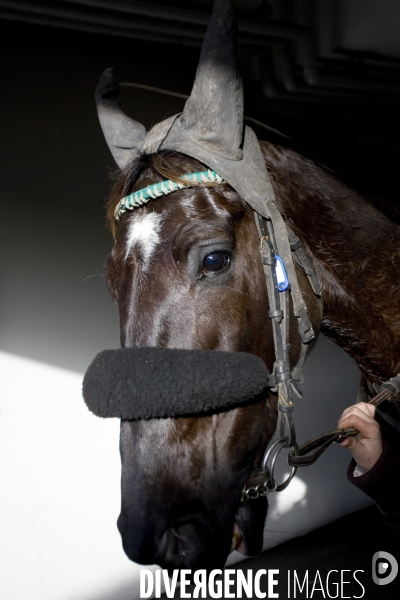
[(382, 484)]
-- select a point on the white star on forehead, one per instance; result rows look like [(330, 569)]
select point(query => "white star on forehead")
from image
[(144, 232)]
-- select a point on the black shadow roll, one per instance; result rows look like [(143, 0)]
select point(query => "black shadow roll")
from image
[(151, 383)]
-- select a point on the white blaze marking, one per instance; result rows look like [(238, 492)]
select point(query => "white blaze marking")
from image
[(143, 231)]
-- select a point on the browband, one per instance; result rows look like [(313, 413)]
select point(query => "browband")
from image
[(163, 188)]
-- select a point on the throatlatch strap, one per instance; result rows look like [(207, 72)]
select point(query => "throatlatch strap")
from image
[(303, 261)]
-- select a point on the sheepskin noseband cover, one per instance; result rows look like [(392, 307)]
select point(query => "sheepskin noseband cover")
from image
[(151, 383)]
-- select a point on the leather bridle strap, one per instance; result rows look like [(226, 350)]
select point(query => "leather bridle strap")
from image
[(282, 242), (308, 453), (275, 240)]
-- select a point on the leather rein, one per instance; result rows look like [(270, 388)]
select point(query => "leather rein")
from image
[(308, 453), (277, 241)]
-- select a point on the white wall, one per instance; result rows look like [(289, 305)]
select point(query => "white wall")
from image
[(59, 473)]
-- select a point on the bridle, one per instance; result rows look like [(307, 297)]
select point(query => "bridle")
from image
[(280, 250), (283, 381), (278, 242), (211, 130)]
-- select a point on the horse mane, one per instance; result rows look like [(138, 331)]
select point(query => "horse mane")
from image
[(372, 184)]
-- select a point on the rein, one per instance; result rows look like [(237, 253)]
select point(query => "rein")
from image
[(261, 481), (308, 453)]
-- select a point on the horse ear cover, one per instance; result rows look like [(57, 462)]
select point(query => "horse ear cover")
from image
[(210, 128), (151, 383)]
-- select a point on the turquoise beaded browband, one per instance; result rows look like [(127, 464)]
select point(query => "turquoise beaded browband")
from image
[(163, 188)]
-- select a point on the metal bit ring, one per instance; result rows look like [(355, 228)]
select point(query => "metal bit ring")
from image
[(280, 444)]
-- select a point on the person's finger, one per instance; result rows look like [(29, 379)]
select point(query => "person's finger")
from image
[(362, 408), (366, 448), (353, 416), (355, 410), (368, 428), (349, 443)]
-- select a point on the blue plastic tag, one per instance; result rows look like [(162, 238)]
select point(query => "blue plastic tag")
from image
[(281, 275)]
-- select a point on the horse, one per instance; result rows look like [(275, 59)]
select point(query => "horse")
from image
[(185, 272)]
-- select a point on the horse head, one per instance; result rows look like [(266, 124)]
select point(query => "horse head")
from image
[(186, 273)]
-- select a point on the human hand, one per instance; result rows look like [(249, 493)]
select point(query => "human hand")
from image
[(367, 446)]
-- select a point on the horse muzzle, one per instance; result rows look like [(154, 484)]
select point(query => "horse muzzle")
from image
[(188, 543), (193, 543), (182, 468)]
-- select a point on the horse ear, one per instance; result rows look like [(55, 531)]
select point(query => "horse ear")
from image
[(213, 114), (124, 136)]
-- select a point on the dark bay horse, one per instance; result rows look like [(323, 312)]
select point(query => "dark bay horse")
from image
[(186, 272)]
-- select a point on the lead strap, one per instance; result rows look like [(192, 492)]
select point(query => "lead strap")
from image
[(307, 453)]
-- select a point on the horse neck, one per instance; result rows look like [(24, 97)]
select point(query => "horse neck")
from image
[(354, 249)]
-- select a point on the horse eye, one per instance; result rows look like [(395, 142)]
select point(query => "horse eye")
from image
[(215, 262)]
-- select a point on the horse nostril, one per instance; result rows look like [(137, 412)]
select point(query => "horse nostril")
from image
[(181, 545), (174, 543)]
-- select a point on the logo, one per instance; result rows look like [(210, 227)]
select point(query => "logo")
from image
[(384, 568)]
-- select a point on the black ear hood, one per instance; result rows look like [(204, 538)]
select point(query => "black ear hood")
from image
[(210, 128), (151, 383)]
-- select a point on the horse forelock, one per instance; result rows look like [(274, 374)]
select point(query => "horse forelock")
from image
[(185, 212), (148, 169)]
